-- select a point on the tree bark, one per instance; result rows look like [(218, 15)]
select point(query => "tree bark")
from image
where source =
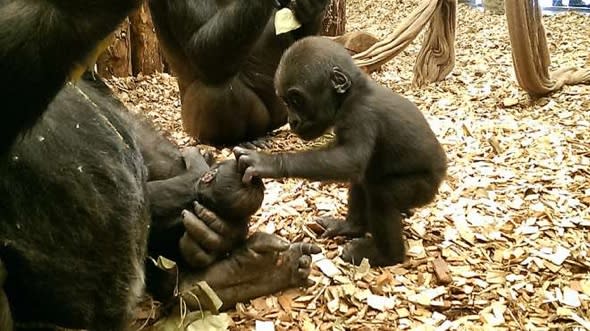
[(146, 57), (116, 59), (334, 23)]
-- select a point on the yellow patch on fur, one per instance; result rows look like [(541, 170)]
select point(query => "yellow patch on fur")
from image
[(90, 60)]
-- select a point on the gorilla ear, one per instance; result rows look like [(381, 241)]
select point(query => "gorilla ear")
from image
[(340, 80)]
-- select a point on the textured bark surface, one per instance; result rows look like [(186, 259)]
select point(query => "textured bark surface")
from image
[(116, 59), (334, 23), (146, 57)]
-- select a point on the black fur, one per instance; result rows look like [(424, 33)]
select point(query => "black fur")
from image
[(223, 192), (40, 42), (74, 218), (383, 146), (225, 54)]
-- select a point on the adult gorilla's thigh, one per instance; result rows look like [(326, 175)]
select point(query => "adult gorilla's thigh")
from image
[(73, 217)]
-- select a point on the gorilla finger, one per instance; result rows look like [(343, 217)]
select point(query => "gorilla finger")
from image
[(261, 143), (262, 242), (250, 173), (192, 156), (304, 261), (248, 145), (330, 233), (307, 248), (243, 162), (222, 228), (193, 254), (205, 214), (240, 151), (198, 231)]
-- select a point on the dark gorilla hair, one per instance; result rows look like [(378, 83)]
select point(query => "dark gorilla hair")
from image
[(222, 191)]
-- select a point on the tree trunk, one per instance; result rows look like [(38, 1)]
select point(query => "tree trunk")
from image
[(146, 57), (116, 59), (494, 7), (334, 23)]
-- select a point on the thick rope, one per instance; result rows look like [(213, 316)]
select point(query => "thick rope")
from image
[(406, 32), (436, 58), (530, 54)]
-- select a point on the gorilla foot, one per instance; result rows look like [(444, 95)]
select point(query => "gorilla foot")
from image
[(259, 143), (266, 264), (366, 247), (338, 227)]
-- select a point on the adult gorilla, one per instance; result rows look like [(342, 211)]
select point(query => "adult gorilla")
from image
[(76, 189), (225, 54)]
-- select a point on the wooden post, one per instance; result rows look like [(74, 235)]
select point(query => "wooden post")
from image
[(116, 59), (334, 23), (146, 57)]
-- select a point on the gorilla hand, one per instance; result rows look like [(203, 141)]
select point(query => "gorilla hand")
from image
[(265, 265), (308, 10), (207, 237), (196, 162), (258, 164)]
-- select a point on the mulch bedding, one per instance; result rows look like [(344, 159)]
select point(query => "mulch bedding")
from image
[(506, 243)]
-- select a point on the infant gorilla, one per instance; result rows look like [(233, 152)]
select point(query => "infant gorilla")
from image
[(221, 190), (383, 147)]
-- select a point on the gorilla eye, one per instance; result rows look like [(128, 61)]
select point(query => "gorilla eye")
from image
[(294, 98)]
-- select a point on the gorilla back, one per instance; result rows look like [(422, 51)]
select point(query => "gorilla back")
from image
[(73, 216)]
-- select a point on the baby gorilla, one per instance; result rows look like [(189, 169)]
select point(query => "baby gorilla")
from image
[(221, 190), (383, 146)]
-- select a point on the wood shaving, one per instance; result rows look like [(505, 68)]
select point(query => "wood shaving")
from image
[(511, 223)]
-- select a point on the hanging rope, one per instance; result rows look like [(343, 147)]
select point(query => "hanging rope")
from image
[(530, 54), (406, 32), (436, 58)]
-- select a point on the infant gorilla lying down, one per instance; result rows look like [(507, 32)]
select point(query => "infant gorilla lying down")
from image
[(220, 189), (99, 179)]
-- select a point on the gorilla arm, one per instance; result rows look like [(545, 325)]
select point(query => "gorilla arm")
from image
[(210, 37), (310, 14), (37, 69), (343, 162)]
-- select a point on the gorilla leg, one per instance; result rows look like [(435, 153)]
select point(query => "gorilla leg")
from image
[(5, 314), (386, 200), (355, 223)]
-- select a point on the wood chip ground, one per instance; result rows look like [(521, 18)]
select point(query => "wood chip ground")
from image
[(505, 246)]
